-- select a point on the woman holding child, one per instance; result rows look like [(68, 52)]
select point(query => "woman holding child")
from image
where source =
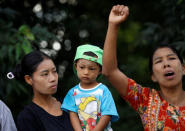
[(44, 112)]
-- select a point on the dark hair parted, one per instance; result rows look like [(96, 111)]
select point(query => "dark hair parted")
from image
[(163, 46), (29, 64)]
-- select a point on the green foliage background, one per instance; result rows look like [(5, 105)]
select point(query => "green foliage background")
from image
[(149, 23)]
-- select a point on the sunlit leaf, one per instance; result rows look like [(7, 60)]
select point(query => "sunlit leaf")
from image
[(25, 30)]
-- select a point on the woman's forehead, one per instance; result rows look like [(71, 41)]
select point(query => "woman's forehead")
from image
[(45, 64), (86, 62), (165, 51)]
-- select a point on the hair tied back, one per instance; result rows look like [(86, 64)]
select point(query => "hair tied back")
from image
[(10, 75)]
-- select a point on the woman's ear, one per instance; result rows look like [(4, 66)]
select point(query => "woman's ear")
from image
[(183, 69), (153, 78), (28, 79)]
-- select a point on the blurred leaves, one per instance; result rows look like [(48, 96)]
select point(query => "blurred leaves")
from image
[(170, 29), (14, 44)]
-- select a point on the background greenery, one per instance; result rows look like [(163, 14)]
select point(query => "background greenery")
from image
[(23, 28)]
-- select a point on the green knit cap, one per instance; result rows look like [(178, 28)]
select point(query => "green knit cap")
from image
[(88, 48)]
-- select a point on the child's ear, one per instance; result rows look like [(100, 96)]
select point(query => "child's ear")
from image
[(28, 79), (75, 64), (100, 72)]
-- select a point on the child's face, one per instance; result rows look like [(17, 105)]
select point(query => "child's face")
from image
[(87, 71)]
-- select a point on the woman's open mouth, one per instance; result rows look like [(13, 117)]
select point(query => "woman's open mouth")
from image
[(169, 75)]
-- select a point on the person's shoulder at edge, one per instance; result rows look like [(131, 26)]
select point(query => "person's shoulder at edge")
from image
[(6, 118), (3, 106)]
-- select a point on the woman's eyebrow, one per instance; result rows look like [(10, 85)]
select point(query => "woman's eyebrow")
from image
[(157, 58), (173, 54), (43, 71)]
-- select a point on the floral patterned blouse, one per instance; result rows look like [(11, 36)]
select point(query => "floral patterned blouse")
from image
[(155, 112)]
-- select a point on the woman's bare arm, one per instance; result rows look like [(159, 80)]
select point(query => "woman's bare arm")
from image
[(118, 79)]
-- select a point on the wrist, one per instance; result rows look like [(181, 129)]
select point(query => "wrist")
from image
[(114, 25)]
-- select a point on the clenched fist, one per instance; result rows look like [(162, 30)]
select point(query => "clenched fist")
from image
[(118, 14)]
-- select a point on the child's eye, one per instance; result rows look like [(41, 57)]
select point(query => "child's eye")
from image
[(81, 67), (92, 68)]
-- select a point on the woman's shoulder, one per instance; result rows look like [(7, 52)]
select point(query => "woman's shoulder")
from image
[(29, 119), (27, 112), (27, 116)]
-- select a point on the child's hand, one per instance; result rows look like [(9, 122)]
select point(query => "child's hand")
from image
[(118, 14)]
